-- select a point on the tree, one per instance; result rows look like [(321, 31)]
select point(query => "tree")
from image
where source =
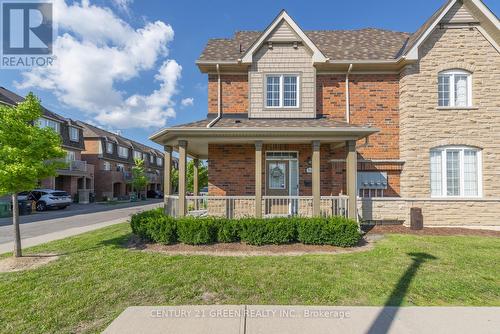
[(27, 154), (202, 176), (139, 179)]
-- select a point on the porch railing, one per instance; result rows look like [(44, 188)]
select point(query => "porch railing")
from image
[(244, 206)]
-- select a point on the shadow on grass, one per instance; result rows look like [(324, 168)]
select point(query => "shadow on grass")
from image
[(391, 306), (123, 241)]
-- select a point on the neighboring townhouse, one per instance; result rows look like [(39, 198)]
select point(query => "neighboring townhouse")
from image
[(77, 179), (373, 121), (113, 156)]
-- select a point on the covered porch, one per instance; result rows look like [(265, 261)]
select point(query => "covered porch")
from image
[(266, 170)]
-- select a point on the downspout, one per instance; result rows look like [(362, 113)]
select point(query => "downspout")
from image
[(347, 106), (219, 99)]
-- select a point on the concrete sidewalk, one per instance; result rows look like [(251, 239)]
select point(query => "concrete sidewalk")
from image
[(225, 319)]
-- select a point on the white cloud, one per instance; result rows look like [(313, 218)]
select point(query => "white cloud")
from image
[(187, 102), (123, 5), (97, 51)]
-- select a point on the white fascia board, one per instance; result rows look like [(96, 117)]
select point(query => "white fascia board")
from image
[(413, 53), (318, 56)]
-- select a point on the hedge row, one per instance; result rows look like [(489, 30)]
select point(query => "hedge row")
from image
[(155, 226)]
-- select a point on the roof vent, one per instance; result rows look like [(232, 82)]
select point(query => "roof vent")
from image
[(241, 48)]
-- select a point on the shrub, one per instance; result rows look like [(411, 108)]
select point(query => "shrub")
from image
[(256, 231), (335, 231), (197, 231), (154, 225), (228, 230)]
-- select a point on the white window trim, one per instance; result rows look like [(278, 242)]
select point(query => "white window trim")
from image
[(452, 74), (282, 91), (108, 146), (159, 161), (46, 120), (123, 155), (72, 129), (444, 186), (107, 166), (137, 155)]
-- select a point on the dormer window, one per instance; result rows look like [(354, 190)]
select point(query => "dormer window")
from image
[(282, 91)]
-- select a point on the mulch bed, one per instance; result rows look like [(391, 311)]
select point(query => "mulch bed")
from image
[(439, 231), (242, 249)]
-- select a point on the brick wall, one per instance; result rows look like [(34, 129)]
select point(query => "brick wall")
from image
[(234, 93), (231, 169)]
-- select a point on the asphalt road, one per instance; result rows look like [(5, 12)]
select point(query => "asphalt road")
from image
[(75, 216)]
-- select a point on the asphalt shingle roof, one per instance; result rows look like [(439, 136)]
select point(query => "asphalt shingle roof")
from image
[(243, 122), (92, 131), (363, 44)]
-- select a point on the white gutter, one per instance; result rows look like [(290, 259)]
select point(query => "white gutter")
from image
[(219, 99), (347, 107)]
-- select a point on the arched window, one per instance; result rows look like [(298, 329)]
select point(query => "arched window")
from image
[(454, 88), (456, 172)]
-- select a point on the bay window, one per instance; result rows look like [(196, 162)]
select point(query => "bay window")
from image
[(455, 172), (282, 91), (454, 89)]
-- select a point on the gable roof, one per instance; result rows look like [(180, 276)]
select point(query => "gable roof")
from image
[(367, 45), (283, 16)]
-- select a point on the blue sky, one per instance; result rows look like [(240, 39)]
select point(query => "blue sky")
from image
[(192, 22)]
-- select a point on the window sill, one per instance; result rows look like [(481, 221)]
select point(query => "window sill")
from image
[(457, 108)]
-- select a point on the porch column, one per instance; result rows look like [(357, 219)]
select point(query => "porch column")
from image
[(258, 179), (182, 177), (316, 181), (167, 176), (196, 163), (352, 172)]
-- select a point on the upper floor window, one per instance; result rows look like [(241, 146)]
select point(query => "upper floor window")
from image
[(455, 172), (48, 123), (109, 147), (282, 91), (107, 165), (137, 155), (70, 156), (74, 134), (122, 152), (151, 158), (159, 161), (454, 89), (120, 167)]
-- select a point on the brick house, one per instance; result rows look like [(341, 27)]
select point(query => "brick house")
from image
[(369, 123), (77, 179), (113, 155)]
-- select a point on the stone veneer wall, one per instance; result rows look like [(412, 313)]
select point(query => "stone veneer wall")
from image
[(434, 211), (423, 126)]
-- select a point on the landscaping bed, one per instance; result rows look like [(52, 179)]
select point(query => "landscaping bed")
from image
[(438, 231), (155, 226)]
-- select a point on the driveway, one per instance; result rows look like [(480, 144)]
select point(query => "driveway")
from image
[(53, 224)]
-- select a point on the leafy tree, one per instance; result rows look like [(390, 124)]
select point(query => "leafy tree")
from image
[(202, 176), (139, 180), (27, 154)]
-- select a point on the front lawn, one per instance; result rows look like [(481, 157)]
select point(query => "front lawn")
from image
[(96, 278)]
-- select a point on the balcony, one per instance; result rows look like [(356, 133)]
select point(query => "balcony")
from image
[(74, 167)]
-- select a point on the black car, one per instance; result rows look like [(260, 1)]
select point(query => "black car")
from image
[(154, 194)]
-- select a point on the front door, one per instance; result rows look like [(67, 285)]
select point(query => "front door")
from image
[(277, 184)]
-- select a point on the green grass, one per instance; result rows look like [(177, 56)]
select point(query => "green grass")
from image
[(96, 279)]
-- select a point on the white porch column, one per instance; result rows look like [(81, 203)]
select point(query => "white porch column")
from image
[(258, 179), (196, 163), (182, 177), (316, 180), (352, 172), (167, 176)]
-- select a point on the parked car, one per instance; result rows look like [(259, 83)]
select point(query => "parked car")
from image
[(154, 194), (204, 191), (46, 198)]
